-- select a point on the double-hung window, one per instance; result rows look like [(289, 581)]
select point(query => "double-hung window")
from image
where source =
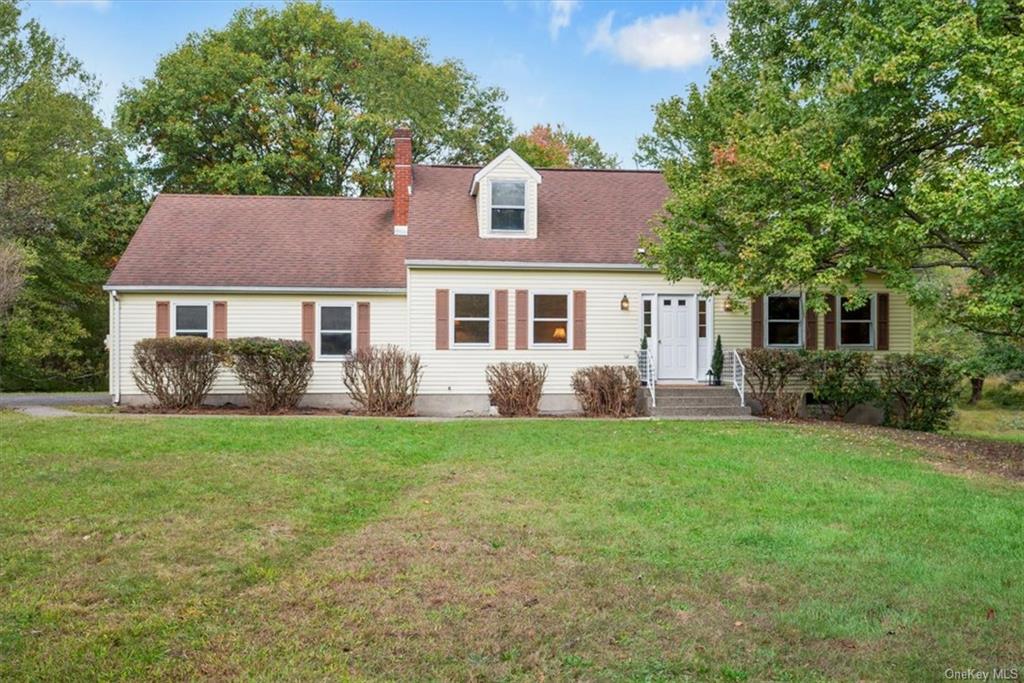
[(857, 327), (471, 324), (550, 324), (335, 331), (783, 322), (508, 206), (191, 320)]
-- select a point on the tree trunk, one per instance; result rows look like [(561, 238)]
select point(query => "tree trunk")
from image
[(976, 385)]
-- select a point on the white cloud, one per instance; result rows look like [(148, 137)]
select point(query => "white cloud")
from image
[(560, 15), (667, 41), (98, 5)]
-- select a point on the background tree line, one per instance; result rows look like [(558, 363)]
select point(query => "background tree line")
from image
[(280, 101)]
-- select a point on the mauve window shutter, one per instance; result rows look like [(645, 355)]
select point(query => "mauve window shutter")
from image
[(163, 318), (522, 319), (810, 329), (363, 326), (579, 320), (309, 325), (757, 323), (441, 319), (882, 334), (501, 319), (220, 319), (830, 324)]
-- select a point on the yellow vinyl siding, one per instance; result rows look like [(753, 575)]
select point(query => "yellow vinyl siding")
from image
[(259, 315)]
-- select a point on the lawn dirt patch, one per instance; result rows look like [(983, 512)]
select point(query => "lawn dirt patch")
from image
[(950, 453)]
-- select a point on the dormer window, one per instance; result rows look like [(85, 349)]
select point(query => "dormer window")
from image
[(506, 198), (508, 206)]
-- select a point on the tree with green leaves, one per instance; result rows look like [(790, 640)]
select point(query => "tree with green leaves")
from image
[(835, 140), (297, 101), (69, 202), (545, 146)]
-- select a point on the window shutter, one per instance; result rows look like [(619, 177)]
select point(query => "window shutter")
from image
[(830, 324), (163, 318), (757, 322), (220, 319), (501, 319), (441, 319), (810, 329), (522, 318), (362, 326), (579, 320), (882, 310), (309, 325)]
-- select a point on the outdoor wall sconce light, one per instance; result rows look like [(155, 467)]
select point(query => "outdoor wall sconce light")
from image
[(727, 306), (624, 304)]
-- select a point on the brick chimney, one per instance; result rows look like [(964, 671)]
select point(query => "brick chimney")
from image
[(403, 179)]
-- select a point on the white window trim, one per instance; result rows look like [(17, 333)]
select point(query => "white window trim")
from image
[(490, 209), (872, 325), (318, 331), (209, 316), (491, 327), (568, 323), (800, 327)]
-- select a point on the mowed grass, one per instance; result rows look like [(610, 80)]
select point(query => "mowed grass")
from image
[(321, 548)]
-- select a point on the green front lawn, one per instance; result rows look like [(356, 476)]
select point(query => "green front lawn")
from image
[(325, 548)]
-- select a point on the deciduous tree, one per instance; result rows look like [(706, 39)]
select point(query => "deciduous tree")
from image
[(837, 139), (556, 147), (297, 101)]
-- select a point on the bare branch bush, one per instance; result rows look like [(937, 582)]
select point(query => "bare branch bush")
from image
[(515, 388), (383, 380), (607, 390)]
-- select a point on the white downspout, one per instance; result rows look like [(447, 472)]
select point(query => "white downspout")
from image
[(115, 347)]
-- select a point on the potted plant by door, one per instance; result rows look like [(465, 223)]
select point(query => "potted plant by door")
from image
[(717, 360)]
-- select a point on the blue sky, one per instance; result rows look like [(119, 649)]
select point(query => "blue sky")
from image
[(598, 67)]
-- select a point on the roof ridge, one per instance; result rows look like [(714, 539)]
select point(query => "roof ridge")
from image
[(553, 168), (272, 196)]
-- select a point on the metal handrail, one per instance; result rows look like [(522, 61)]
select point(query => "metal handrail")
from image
[(645, 363), (651, 374), (739, 376)]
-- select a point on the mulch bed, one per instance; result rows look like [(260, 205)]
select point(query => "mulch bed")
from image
[(1002, 458)]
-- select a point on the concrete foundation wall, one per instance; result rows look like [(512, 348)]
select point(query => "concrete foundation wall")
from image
[(450, 405)]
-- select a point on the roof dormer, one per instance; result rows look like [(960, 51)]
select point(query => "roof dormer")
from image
[(506, 197)]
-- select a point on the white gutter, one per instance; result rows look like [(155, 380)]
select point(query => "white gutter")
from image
[(228, 289), (525, 265)]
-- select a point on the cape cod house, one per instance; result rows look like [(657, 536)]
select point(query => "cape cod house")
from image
[(466, 266)]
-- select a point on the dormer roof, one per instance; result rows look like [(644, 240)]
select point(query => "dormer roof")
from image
[(507, 155)]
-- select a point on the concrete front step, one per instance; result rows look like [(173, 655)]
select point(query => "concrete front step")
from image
[(702, 411), (683, 401), (692, 390)]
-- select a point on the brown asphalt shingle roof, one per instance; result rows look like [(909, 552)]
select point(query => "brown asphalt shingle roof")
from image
[(584, 216), (221, 240)]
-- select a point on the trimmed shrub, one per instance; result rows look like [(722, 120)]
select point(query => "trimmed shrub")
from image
[(273, 372), (840, 379), (768, 373), (177, 372), (919, 391), (717, 360), (515, 388), (383, 380), (607, 390)]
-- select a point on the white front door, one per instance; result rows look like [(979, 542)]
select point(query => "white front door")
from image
[(677, 337)]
